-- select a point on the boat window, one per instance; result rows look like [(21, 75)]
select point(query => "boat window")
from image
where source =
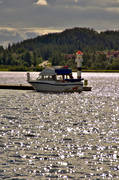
[(60, 77)]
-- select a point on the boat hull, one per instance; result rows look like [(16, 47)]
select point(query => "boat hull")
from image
[(57, 87)]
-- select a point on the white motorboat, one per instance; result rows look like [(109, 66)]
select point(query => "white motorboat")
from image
[(56, 80)]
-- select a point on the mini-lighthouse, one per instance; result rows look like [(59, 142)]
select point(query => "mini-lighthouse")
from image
[(79, 60)]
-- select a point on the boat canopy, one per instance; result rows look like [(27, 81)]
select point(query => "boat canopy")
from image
[(48, 72), (63, 71)]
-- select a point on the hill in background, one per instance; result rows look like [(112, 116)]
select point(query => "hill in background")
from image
[(56, 46)]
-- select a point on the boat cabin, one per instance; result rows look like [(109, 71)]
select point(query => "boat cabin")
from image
[(64, 74)]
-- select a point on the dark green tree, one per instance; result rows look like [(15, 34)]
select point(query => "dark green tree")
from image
[(28, 59)]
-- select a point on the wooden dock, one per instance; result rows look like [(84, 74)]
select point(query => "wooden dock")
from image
[(16, 86), (28, 87)]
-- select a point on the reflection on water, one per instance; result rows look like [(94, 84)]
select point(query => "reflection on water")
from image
[(60, 136)]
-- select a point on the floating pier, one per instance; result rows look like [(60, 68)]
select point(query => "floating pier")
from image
[(28, 87), (16, 86)]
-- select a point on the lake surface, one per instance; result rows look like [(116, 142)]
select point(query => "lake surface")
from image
[(60, 136)]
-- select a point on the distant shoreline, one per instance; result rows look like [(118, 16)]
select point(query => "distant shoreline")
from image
[(103, 71), (87, 71), (38, 69)]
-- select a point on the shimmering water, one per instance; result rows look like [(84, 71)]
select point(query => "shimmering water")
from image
[(60, 136)]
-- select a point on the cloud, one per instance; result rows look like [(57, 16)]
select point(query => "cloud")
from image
[(29, 18), (14, 35), (9, 35), (79, 3), (57, 3), (41, 2), (59, 14), (113, 9)]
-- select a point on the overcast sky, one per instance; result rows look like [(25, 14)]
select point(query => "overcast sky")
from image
[(22, 19)]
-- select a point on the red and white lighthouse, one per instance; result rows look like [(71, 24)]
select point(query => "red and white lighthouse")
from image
[(79, 60)]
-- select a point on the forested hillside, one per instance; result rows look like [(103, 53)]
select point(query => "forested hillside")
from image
[(99, 50)]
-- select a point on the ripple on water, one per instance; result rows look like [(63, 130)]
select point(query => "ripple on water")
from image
[(60, 136)]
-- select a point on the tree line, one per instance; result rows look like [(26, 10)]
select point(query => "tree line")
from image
[(54, 47)]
